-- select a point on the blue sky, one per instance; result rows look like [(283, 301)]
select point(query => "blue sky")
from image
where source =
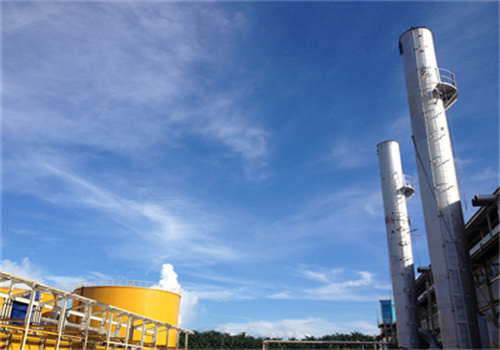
[(235, 141)]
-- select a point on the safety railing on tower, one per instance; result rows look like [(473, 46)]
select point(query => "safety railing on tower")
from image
[(447, 88)]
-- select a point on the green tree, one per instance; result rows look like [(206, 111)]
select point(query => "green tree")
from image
[(213, 340)]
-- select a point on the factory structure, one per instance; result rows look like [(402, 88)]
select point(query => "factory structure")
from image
[(454, 302), (109, 315)]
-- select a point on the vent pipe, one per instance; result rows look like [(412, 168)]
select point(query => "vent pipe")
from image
[(395, 192), (484, 200), (430, 92)]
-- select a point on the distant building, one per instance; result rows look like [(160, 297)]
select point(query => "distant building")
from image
[(387, 322), (388, 311)]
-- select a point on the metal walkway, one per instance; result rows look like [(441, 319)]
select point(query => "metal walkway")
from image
[(57, 319)]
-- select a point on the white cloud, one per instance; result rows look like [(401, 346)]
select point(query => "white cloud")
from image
[(222, 287), (176, 227), (92, 86), (350, 154), (66, 282), (318, 276), (25, 269), (322, 214), (354, 289), (224, 293), (224, 120), (297, 328), (29, 271), (227, 291), (356, 148), (335, 285), (189, 308), (486, 174), (400, 128)]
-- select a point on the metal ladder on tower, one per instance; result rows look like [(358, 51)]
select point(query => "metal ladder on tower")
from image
[(448, 94)]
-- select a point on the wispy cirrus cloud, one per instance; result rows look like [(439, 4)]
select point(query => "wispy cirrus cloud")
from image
[(224, 293), (486, 174), (95, 99), (173, 228), (313, 284), (349, 154), (90, 87), (329, 213), (335, 285), (356, 149)]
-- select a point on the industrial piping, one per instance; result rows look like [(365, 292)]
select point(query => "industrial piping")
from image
[(483, 200), (429, 95), (395, 193)]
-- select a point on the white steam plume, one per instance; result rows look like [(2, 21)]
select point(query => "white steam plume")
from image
[(189, 300), (168, 280)]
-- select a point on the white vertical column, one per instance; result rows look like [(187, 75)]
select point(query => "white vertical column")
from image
[(399, 243), (455, 291)]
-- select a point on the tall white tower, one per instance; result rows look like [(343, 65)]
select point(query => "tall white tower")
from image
[(395, 192), (430, 92)]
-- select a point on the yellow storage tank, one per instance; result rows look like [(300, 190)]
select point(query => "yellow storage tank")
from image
[(160, 305)]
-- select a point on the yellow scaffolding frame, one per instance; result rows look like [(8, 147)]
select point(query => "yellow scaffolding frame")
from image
[(57, 319)]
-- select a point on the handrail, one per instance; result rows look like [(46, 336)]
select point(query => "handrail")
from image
[(123, 283), (447, 77), (74, 322), (408, 181)]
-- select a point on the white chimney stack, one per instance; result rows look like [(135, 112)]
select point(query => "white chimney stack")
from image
[(430, 92), (395, 192)]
